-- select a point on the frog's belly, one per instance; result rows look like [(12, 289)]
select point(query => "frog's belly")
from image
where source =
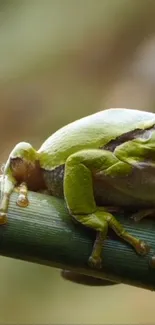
[(134, 190)]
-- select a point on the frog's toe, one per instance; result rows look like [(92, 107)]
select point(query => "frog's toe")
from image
[(22, 201), (142, 248), (95, 262)]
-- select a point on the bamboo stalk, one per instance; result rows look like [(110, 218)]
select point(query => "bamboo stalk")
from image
[(45, 233)]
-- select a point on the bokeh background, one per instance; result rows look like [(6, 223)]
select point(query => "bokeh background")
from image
[(61, 60)]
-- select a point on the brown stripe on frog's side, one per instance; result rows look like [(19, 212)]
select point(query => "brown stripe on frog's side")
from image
[(131, 135), (54, 180)]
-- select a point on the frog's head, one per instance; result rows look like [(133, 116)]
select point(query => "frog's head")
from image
[(21, 160), (23, 165)]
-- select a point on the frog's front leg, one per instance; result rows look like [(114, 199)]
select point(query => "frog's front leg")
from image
[(7, 186), (78, 191)]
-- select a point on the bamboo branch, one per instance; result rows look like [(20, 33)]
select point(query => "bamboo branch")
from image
[(45, 233)]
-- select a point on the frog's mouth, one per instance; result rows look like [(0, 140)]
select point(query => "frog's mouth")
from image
[(28, 172), (21, 169)]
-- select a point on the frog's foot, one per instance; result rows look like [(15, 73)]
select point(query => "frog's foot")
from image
[(95, 262), (97, 222), (3, 218), (22, 200), (142, 214), (142, 248)]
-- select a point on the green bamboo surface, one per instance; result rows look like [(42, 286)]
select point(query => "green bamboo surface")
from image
[(45, 233)]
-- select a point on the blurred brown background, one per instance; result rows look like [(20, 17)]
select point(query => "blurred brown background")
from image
[(61, 60)]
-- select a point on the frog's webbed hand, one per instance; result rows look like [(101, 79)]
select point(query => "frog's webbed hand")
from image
[(78, 191), (22, 200)]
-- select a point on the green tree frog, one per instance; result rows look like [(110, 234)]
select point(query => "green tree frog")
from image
[(100, 161)]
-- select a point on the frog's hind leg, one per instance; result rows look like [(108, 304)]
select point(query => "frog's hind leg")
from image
[(78, 191), (95, 221), (134, 152)]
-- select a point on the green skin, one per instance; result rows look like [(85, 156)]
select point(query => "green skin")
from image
[(104, 160)]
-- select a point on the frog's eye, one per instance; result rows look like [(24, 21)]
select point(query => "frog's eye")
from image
[(23, 150), (15, 162)]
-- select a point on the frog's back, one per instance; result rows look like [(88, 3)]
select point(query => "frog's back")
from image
[(91, 132)]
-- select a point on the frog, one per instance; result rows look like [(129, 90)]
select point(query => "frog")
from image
[(98, 163)]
